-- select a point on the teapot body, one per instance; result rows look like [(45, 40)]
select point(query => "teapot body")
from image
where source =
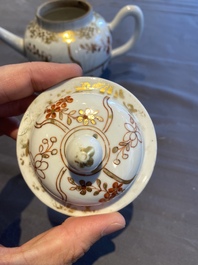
[(88, 45), (70, 31)]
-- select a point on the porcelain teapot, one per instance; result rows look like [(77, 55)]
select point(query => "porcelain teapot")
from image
[(70, 31)]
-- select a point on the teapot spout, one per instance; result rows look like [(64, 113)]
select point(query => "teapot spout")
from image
[(12, 40)]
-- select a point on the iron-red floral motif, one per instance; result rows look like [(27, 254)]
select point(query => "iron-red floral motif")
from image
[(63, 102), (130, 140), (52, 111), (109, 192), (59, 108), (112, 192)]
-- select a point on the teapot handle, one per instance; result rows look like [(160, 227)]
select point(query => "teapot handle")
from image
[(129, 10)]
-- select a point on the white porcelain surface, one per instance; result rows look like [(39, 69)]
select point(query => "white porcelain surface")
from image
[(86, 147)]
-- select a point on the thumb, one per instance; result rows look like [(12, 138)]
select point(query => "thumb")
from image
[(67, 242), (85, 231)]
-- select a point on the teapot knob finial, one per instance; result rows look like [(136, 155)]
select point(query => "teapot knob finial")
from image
[(84, 154)]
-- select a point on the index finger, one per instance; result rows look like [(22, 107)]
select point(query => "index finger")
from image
[(22, 80)]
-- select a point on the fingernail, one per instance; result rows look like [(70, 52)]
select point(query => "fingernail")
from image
[(112, 228)]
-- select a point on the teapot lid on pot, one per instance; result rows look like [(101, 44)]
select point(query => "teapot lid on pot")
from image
[(86, 146)]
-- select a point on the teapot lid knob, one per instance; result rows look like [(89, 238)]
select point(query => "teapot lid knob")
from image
[(84, 154)]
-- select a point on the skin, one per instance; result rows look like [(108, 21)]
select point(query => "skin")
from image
[(69, 241)]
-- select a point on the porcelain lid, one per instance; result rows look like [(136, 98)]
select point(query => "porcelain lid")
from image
[(85, 146)]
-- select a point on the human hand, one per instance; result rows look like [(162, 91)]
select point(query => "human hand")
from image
[(64, 244), (18, 85)]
